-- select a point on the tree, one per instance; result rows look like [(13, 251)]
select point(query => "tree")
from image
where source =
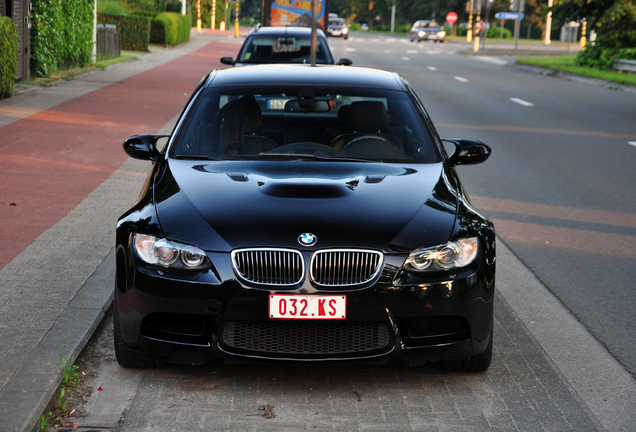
[(613, 21)]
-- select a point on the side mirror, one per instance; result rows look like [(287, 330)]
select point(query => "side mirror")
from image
[(468, 152), (227, 60), (143, 147), (345, 62)]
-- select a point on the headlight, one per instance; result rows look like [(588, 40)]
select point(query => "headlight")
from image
[(441, 34), (345, 30), (448, 256), (166, 253), (421, 33)]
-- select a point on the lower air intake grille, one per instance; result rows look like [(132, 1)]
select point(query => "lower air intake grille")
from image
[(306, 337)]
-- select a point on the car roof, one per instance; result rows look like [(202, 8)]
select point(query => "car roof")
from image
[(305, 74), (283, 31)]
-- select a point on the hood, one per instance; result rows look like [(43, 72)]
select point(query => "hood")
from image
[(223, 205)]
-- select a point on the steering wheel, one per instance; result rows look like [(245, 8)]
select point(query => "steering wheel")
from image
[(373, 137)]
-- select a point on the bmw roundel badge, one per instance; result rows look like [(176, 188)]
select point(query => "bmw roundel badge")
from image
[(307, 239)]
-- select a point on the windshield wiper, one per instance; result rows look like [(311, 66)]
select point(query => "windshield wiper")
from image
[(208, 157), (316, 155)]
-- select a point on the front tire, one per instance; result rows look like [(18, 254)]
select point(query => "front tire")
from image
[(477, 363), (126, 357)]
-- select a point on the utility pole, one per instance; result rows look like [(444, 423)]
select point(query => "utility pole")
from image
[(469, 33), (236, 20), (548, 24), (314, 31)]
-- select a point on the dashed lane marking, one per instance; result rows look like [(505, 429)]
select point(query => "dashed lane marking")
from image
[(522, 102)]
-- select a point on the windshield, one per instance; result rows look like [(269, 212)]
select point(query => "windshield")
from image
[(283, 49), (427, 24), (335, 123)]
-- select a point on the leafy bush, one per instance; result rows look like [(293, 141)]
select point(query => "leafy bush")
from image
[(600, 56), (134, 30), (495, 32), (9, 47), (110, 7), (61, 36), (170, 28)]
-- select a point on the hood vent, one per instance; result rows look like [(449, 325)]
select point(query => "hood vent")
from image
[(374, 179), (237, 177)]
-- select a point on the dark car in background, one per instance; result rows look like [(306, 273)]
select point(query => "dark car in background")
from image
[(304, 214), (267, 45), (337, 27), (427, 30)]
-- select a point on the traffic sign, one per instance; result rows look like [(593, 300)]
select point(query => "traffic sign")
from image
[(509, 16), (451, 17)]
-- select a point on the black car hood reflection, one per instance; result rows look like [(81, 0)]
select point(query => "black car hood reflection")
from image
[(223, 205)]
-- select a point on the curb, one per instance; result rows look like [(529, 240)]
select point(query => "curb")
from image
[(31, 389)]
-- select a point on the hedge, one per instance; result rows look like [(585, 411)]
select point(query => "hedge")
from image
[(9, 47), (170, 28), (134, 30), (62, 35)]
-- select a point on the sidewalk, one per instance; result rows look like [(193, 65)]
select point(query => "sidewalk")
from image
[(64, 182)]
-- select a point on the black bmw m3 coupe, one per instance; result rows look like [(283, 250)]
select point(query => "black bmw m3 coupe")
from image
[(304, 213)]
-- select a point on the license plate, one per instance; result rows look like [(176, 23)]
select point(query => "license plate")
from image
[(277, 104), (307, 307)]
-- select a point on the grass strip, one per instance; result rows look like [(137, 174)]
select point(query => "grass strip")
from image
[(566, 64)]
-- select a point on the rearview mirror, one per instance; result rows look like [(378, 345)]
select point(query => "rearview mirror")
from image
[(468, 152), (345, 62), (227, 60), (318, 106), (143, 147)]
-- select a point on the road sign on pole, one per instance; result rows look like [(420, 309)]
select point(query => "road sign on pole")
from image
[(509, 15)]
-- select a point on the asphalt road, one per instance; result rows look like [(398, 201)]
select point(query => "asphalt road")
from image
[(560, 184)]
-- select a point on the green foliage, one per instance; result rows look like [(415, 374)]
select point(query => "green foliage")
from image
[(135, 30), (43, 421), (9, 47), (61, 36), (495, 32), (110, 7), (70, 375), (170, 28), (206, 13), (614, 22)]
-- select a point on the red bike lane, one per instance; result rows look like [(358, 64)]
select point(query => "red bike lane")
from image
[(51, 160)]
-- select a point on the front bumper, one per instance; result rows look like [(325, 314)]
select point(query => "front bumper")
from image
[(212, 315)]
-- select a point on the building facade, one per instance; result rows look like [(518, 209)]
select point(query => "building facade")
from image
[(20, 12)]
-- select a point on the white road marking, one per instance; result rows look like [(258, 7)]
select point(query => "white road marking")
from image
[(522, 102), (350, 49), (493, 60), (388, 52), (412, 51), (431, 68), (632, 143), (406, 58), (461, 79)]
